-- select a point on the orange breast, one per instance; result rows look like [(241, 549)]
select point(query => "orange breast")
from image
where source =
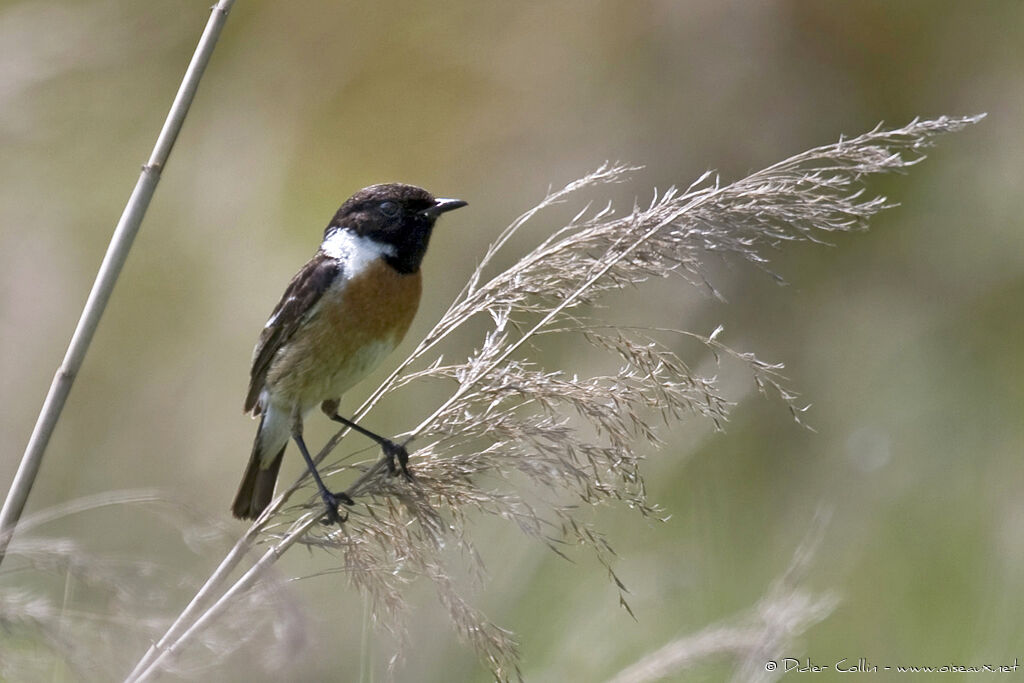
[(354, 325)]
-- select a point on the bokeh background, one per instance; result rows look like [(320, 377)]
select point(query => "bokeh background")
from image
[(908, 340)]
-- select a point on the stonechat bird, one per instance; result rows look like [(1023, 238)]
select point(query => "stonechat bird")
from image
[(346, 309)]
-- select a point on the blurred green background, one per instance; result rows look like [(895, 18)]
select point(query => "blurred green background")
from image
[(908, 340)]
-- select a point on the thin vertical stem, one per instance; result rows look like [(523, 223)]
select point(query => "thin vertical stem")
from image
[(110, 269)]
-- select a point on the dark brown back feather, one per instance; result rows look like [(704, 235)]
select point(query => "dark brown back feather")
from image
[(298, 300)]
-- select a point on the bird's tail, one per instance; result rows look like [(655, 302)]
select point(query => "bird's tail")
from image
[(257, 487)]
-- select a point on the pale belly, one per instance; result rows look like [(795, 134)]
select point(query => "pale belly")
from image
[(307, 372), (343, 377)]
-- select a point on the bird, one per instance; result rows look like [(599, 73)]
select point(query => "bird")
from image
[(345, 310)]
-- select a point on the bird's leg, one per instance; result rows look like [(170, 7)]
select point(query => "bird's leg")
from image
[(392, 451), (331, 500)]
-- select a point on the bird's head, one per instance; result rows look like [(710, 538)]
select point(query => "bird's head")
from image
[(400, 216)]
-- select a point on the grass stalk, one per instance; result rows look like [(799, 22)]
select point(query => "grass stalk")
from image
[(106, 278)]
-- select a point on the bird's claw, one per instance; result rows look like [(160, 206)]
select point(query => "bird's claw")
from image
[(397, 453), (333, 501)]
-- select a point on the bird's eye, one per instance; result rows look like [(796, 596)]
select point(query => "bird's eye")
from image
[(389, 208)]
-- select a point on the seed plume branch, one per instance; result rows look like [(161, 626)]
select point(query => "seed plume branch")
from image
[(754, 639), (541, 447)]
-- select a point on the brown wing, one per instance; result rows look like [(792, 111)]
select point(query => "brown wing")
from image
[(303, 292)]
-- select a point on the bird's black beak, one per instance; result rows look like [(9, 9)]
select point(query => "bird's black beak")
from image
[(442, 206)]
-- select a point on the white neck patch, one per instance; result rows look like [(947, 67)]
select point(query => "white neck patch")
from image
[(354, 251)]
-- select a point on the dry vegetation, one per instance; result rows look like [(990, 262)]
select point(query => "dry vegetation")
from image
[(540, 447)]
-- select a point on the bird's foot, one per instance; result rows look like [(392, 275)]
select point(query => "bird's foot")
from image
[(398, 458), (333, 501)]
